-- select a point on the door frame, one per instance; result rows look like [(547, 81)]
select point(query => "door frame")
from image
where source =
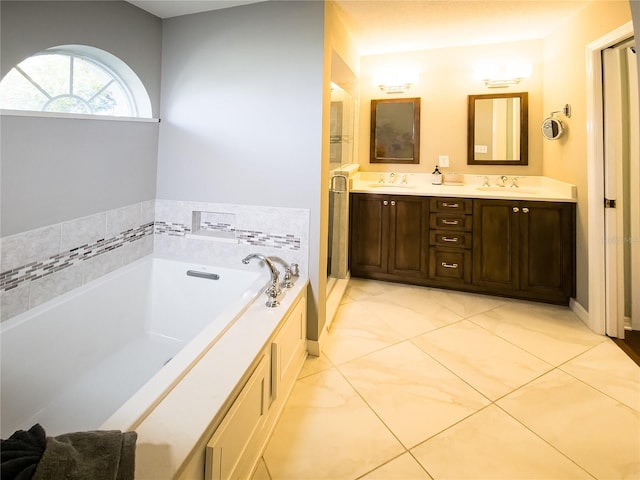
[(596, 319)]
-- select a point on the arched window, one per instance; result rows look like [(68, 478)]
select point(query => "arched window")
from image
[(75, 79)]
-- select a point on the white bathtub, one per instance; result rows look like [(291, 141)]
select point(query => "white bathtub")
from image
[(109, 351)]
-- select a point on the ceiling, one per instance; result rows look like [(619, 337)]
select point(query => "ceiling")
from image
[(390, 26)]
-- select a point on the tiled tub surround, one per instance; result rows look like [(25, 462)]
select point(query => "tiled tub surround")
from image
[(276, 231), (41, 264), (38, 265)]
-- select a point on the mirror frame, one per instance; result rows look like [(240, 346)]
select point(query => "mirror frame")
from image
[(524, 129), (415, 131)]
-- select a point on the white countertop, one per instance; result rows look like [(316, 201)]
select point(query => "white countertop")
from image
[(529, 187)]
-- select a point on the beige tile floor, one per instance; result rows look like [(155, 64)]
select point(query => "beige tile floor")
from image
[(418, 383)]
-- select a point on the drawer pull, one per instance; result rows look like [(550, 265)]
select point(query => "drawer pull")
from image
[(450, 205), (516, 209), (450, 222), (385, 203), (525, 210), (449, 265), (393, 203), (450, 239)]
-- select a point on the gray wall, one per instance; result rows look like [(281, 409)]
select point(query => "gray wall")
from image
[(54, 170), (242, 110)]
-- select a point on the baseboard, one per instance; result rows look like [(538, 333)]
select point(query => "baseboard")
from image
[(313, 346), (583, 315)]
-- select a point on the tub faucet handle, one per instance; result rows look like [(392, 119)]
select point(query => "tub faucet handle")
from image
[(273, 292), (290, 271)]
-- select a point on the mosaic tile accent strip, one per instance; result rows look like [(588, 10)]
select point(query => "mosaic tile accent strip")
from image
[(247, 237), (36, 270), (268, 240), (170, 228)]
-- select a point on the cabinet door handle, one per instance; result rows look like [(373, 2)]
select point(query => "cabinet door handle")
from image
[(525, 210), (385, 203), (450, 222), (450, 239), (516, 209), (393, 203), (449, 265), (450, 205)]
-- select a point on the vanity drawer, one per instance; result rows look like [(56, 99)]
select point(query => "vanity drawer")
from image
[(451, 221), (458, 205), (442, 238), (450, 266)]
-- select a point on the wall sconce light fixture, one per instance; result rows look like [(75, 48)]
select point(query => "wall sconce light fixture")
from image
[(395, 81), (505, 75)]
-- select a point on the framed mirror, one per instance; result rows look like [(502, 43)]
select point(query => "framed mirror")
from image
[(498, 129), (395, 130)]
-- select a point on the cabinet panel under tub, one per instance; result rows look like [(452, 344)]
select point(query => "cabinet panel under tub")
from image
[(235, 435)]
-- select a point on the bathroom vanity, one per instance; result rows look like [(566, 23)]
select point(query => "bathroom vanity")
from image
[(510, 241)]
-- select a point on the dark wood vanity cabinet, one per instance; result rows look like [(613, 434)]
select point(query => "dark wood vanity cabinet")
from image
[(450, 240), (519, 249), (525, 249), (388, 236)]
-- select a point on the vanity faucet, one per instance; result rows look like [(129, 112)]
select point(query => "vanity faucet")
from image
[(514, 182), (392, 177), (503, 181), (274, 290)]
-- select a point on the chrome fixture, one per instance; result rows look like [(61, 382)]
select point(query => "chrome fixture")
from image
[(290, 271), (514, 182), (395, 81), (381, 179), (500, 76), (392, 177), (552, 127), (485, 182), (503, 181), (405, 179), (274, 290)]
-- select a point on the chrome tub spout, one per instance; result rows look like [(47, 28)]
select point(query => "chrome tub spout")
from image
[(274, 290)]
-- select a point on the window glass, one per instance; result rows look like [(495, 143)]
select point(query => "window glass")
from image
[(63, 81)]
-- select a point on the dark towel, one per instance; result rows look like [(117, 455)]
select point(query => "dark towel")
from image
[(96, 455), (21, 452)]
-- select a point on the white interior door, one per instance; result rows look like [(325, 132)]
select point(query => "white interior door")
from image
[(633, 286), (621, 166)]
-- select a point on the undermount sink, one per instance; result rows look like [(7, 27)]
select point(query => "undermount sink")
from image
[(507, 190), (390, 185)]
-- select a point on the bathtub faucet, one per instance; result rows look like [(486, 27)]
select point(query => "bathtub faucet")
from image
[(274, 290), (291, 271)]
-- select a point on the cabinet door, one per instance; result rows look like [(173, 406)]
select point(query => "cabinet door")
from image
[(547, 233), (496, 244), (409, 236), (227, 451), (369, 246)]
